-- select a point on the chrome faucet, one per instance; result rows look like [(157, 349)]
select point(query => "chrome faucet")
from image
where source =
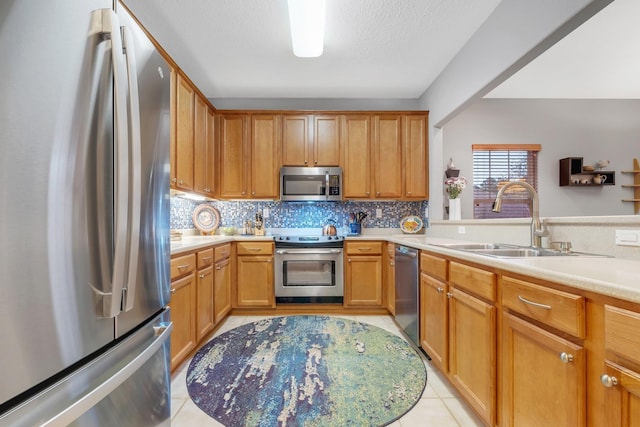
[(537, 228)]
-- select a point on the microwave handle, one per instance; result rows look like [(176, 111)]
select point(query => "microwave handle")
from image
[(326, 185)]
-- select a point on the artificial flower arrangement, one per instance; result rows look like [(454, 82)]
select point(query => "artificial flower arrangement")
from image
[(454, 186)]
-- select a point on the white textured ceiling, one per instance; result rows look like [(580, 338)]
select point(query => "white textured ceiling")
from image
[(373, 48), (600, 59)]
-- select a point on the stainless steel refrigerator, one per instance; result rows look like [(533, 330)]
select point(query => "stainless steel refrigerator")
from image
[(84, 217)]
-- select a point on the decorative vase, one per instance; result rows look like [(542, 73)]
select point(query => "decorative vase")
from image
[(455, 209)]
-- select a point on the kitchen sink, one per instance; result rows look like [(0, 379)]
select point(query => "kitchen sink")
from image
[(500, 250)]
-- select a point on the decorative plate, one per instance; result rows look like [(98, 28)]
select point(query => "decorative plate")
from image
[(411, 224), (206, 218)]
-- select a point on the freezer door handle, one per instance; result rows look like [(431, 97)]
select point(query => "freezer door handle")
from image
[(89, 400), (112, 298), (135, 193)]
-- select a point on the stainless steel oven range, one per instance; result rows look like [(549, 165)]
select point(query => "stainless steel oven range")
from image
[(309, 269)]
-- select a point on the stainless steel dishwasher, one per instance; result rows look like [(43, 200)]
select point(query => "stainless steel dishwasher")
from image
[(407, 292)]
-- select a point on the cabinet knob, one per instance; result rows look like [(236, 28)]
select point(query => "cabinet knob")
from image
[(315, 163), (173, 180), (368, 193), (244, 192), (377, 193), (408, 193), (180, 182), (449, 295), (202, 276), (608, 381), (173, 291), (392, 264), (349, 260), (306, 162), (440, 290), (566, 357), (218, 267), (253, 193)]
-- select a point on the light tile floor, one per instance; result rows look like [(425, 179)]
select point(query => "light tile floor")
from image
[(440, 404)]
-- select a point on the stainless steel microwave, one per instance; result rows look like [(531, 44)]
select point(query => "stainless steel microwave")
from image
[(303, 184)]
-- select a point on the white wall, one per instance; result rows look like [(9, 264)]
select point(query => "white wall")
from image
[(593, 129)]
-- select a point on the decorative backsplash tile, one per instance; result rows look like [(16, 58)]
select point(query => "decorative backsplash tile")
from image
[(298, 214)]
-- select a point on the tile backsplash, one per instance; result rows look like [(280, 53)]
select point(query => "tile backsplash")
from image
[(299, 215)]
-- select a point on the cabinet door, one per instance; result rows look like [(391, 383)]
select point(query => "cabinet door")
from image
[(356, 145), (416, 155), (363, 286), (234, 149), (255, 281), (472, 352), (387, 157), (543, 377), (183, 307), (185, 96), (295, 140), (222, 290), (204, 302), (265, 149), (326, 140), (202, 149), (434, 321), (173, 148), (622, 397)]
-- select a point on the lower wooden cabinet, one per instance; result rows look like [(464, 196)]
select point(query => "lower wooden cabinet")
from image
[(222, 290), (543, 377), (472, 351), (255, 281), (621, 375), (434, 321), (204, 302), (363, 274), (183, 307)]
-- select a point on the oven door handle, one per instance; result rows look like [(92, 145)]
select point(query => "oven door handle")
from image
[(308, 251)]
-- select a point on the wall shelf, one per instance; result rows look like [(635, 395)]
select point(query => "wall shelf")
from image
[(636, 186), (573, 174)]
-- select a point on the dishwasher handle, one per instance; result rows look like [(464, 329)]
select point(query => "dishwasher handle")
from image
[(405, 251)]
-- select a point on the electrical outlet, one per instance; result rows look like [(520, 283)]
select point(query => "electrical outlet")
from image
[(628, 237), (462, 229), (265, 212), (378, 213)]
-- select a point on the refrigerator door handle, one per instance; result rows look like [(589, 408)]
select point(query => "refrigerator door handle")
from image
[(89, 400), (112, 298), (135, 190)]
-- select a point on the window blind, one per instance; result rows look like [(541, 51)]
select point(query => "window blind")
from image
[(495, 165)]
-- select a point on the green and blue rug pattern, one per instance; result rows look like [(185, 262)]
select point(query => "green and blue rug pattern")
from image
[(306, 371)]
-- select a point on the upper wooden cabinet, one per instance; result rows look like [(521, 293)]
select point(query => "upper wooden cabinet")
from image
[(310, 140), (204, 149), (185, 113), (416, 157), (385, 156), (249, 153), (356, 143)]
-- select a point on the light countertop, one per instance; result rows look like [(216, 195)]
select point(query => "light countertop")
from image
[(615, 277)]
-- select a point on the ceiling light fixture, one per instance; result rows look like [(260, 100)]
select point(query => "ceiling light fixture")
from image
[(306, 19)]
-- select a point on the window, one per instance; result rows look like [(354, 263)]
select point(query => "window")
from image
[(493, 166)]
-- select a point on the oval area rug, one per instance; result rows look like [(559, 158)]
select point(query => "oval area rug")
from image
[(306, 371)]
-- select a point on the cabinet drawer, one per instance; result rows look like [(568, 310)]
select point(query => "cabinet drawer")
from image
[(560, 310), (474, 280), (205, 258), (622, 332), (364, 248), (222, 252), (433, 266), (255, 248), (182, 265)]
